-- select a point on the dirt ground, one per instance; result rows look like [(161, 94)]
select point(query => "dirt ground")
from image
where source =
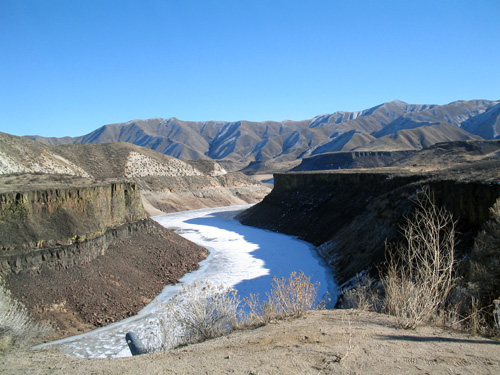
[(111, 287), (324, 342)]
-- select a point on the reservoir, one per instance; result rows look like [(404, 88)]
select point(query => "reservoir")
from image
[(242, 257)]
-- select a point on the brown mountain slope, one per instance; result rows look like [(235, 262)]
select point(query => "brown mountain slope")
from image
[(418, 138), (167, 183), (242, 142)]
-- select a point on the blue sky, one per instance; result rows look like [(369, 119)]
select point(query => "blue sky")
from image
[(69, 67)]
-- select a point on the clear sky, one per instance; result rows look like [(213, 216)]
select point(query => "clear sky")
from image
[(68, 67)]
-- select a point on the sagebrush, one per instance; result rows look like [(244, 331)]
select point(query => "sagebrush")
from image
[(17, 329), (203, 311), (419, 275), (364, 295), (289, 297)]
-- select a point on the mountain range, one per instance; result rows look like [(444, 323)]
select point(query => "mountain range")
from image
[(391, 126)]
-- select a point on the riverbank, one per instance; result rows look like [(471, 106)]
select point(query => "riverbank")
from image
[(324, 342)]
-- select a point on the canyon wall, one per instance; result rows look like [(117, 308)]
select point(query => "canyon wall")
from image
[(50, 217), (163, 194), (350, 215), (74, 254)]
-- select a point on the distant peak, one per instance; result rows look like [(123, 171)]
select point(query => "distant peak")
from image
[(398, 102)]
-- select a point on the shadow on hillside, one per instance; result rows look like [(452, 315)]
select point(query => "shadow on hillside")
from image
[(436, 338)]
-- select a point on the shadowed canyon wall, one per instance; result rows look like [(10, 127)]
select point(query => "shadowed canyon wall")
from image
[(351, 215)]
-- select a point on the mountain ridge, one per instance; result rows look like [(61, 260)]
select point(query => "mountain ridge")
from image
[(240, 143)]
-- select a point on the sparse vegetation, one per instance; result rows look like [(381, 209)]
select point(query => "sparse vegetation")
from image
[(363, 296), (290, 297), (203, 311), (17, 330), (419, 275), (200, 312)]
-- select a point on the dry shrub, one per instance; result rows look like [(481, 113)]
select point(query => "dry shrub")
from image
[(290, 297), (419, 274), (481, 320), (200, 312), (17, 330), (365, 295)]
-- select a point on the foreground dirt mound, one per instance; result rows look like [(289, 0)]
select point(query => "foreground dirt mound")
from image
[(324, 342)]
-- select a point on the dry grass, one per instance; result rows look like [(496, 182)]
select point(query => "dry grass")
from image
[(17, 330), (419, 275), (365, 295), (200, 312), (290, 297)]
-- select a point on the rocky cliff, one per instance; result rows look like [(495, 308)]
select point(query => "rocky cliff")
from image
[(75, 245), (46, 217), (350, 215)]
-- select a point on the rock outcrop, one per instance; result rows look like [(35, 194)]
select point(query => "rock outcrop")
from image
[(49, 217), (78, 255), (95, 282)]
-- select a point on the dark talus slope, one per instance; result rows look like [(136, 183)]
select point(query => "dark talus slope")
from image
[(93, 283), (78, 254)]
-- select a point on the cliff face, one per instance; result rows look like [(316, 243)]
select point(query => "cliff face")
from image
[(170, 193), (44, 218), (92, 283), (351, 215)]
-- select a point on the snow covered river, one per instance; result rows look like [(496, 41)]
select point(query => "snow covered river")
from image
[(242, 257)]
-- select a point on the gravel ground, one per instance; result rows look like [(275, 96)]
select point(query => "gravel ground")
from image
[(324, 342)]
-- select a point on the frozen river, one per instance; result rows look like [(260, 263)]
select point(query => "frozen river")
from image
[(242, 257)]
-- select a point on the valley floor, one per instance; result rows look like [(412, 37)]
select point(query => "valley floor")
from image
[(324, 342)]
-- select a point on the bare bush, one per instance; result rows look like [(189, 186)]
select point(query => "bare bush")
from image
[(419, 274), (200, 312), (496, 313), (290, 297), (364, 295), (17, 329)]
